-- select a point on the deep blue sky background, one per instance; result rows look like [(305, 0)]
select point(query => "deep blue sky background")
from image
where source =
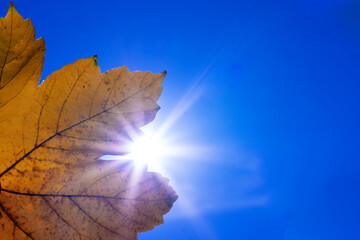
[(277, 108)]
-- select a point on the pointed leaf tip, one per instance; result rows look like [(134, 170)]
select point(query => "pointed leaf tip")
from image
[(171, 199), (11, 7), (95, 59)]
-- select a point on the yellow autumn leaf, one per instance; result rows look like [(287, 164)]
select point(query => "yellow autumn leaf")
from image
[(21, 56), (53, 184)]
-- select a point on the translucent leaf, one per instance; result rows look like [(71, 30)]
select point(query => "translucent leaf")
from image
[(53, 183)]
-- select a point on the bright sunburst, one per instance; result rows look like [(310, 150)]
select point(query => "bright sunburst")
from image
[(147, 151), (156, 149)]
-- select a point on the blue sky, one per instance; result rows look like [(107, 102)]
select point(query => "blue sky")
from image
[(266, 94)]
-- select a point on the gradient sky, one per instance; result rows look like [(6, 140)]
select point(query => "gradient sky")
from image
[(266, 94)]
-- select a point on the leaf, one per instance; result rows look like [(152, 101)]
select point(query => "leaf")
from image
[(21, 56), (52, 183)]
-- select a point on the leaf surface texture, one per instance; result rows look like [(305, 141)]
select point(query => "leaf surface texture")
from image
[(53, 183)]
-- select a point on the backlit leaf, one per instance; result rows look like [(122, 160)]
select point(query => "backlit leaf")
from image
[(53, 183)]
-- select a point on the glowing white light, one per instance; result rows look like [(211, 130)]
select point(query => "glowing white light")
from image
[(147, 151)]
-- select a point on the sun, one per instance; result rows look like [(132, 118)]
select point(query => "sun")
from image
[(147, 151)]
